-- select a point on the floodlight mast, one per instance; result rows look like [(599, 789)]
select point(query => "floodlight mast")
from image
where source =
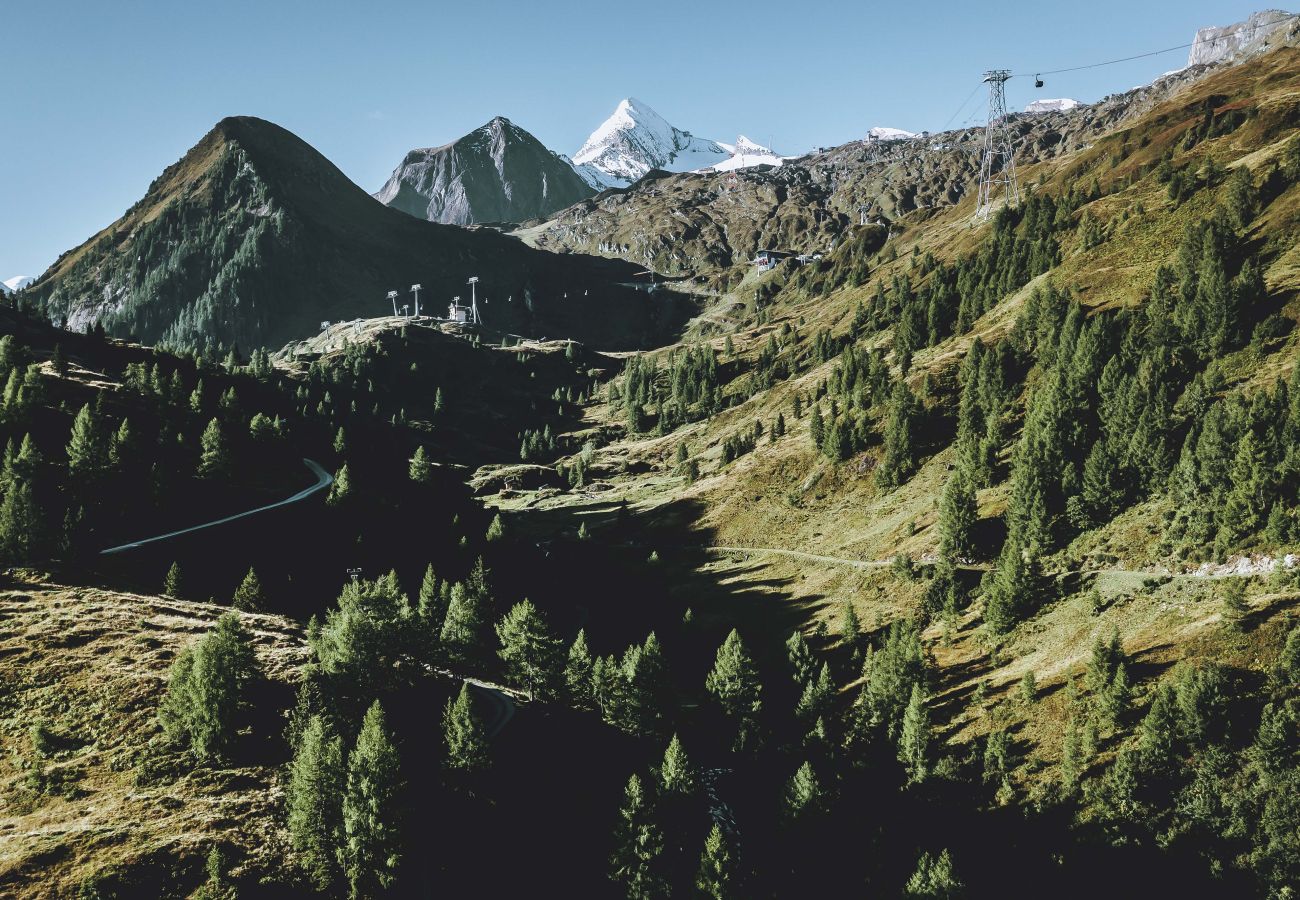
[(392, 295), (473, 299), (415, 289)]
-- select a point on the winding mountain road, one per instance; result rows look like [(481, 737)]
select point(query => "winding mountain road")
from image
[(323, 480)]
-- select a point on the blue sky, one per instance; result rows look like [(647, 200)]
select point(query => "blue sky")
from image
[(96, 98)]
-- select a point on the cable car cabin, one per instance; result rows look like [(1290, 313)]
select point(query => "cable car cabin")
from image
[(767, 259)]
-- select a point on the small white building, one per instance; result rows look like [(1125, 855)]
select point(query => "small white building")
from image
[(457, 313)]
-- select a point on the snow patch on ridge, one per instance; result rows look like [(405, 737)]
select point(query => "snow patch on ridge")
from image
[(1061, 105)]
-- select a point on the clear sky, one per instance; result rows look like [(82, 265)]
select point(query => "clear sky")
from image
[(96, 98)]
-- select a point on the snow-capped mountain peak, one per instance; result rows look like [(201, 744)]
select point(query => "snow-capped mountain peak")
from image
[(17, 283), (745, 154), (882, 133), (1062, 105), (636, 139)]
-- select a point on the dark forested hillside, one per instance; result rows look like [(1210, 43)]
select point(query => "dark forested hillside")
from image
[(254, 238)]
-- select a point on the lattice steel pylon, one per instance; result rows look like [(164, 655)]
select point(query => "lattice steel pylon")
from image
[(998, 161)]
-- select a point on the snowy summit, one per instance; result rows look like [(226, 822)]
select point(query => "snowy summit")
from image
[(17, 283), (881, 133), (636, 139), (746, 153), (1061, 105)]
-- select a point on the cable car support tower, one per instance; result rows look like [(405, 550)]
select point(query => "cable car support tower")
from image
[(998, 160)]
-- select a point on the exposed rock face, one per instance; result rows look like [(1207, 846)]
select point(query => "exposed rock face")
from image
[(1259, 33), (497, 173)]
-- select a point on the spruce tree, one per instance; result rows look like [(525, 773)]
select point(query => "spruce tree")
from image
[(1235, 608), (958, 513), (804, 796), (313, 796), (20, 522), (464, 733), (207, 689), (214, 459), (496, 529), (578, 672), (850, 625), (530, 652), (364, 638), (914, 739), (638, 846), (372, 806), (676, 775), (463, 626), (248, 596), (934, 879), (419, 469), (898, 461), (734, 682), (718, 877), (88, 446), (431, 609), (816, 427), (800, 657), (174, 582), (341, 489)]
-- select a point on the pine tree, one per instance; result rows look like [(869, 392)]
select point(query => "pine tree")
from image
[(213, 460), (578, 672), (934, 879), (340, 445), (850, 625), (1013, 591), (816, 427), (914, 739), (804, 796), (122, 447), (958, 513), (207, 687), (173, 583), (718, 877), (419, 470), (464, 733), (1235, 608), (638, 846), (496, 529), (248, 596), (463, 626), (676, 775), (341, 489), (800, 656), (734, 682), (372, 805), (530, 652), (20, 522), (898, 461), (88, 446), (1072, 762), (317, 779), (363, 639)]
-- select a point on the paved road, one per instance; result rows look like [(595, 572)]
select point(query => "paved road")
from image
[(323, 480), (503, 702)]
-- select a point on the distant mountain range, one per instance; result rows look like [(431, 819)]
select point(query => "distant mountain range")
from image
[(254, 238), (17, 283)]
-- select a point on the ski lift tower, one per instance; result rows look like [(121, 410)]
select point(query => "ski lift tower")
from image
[(415, 289), (998, 161), (392, 295), (473, 300)]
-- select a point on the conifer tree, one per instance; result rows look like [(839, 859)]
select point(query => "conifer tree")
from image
[(934, 879), (496, 529), (958, 513), (850, 624), (419, 469), (734, 682), (431, 607), (898, 461), (578, 672), (341, 489), (20, 522), (676, 775), (464, 733), (1012, 593), (363, 639), (313, 796), (248, 596), (816, 427), (88, 446), (800, 656), (914, 739), (462, 628), (173, 582), (718, 876), (1235, 608), (530, 652), (122, 447), (207, 687), (372, 804), (638, 846), (214, 458), (804, 796)]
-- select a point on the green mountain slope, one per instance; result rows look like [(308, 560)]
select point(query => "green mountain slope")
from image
[(254, 238)]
